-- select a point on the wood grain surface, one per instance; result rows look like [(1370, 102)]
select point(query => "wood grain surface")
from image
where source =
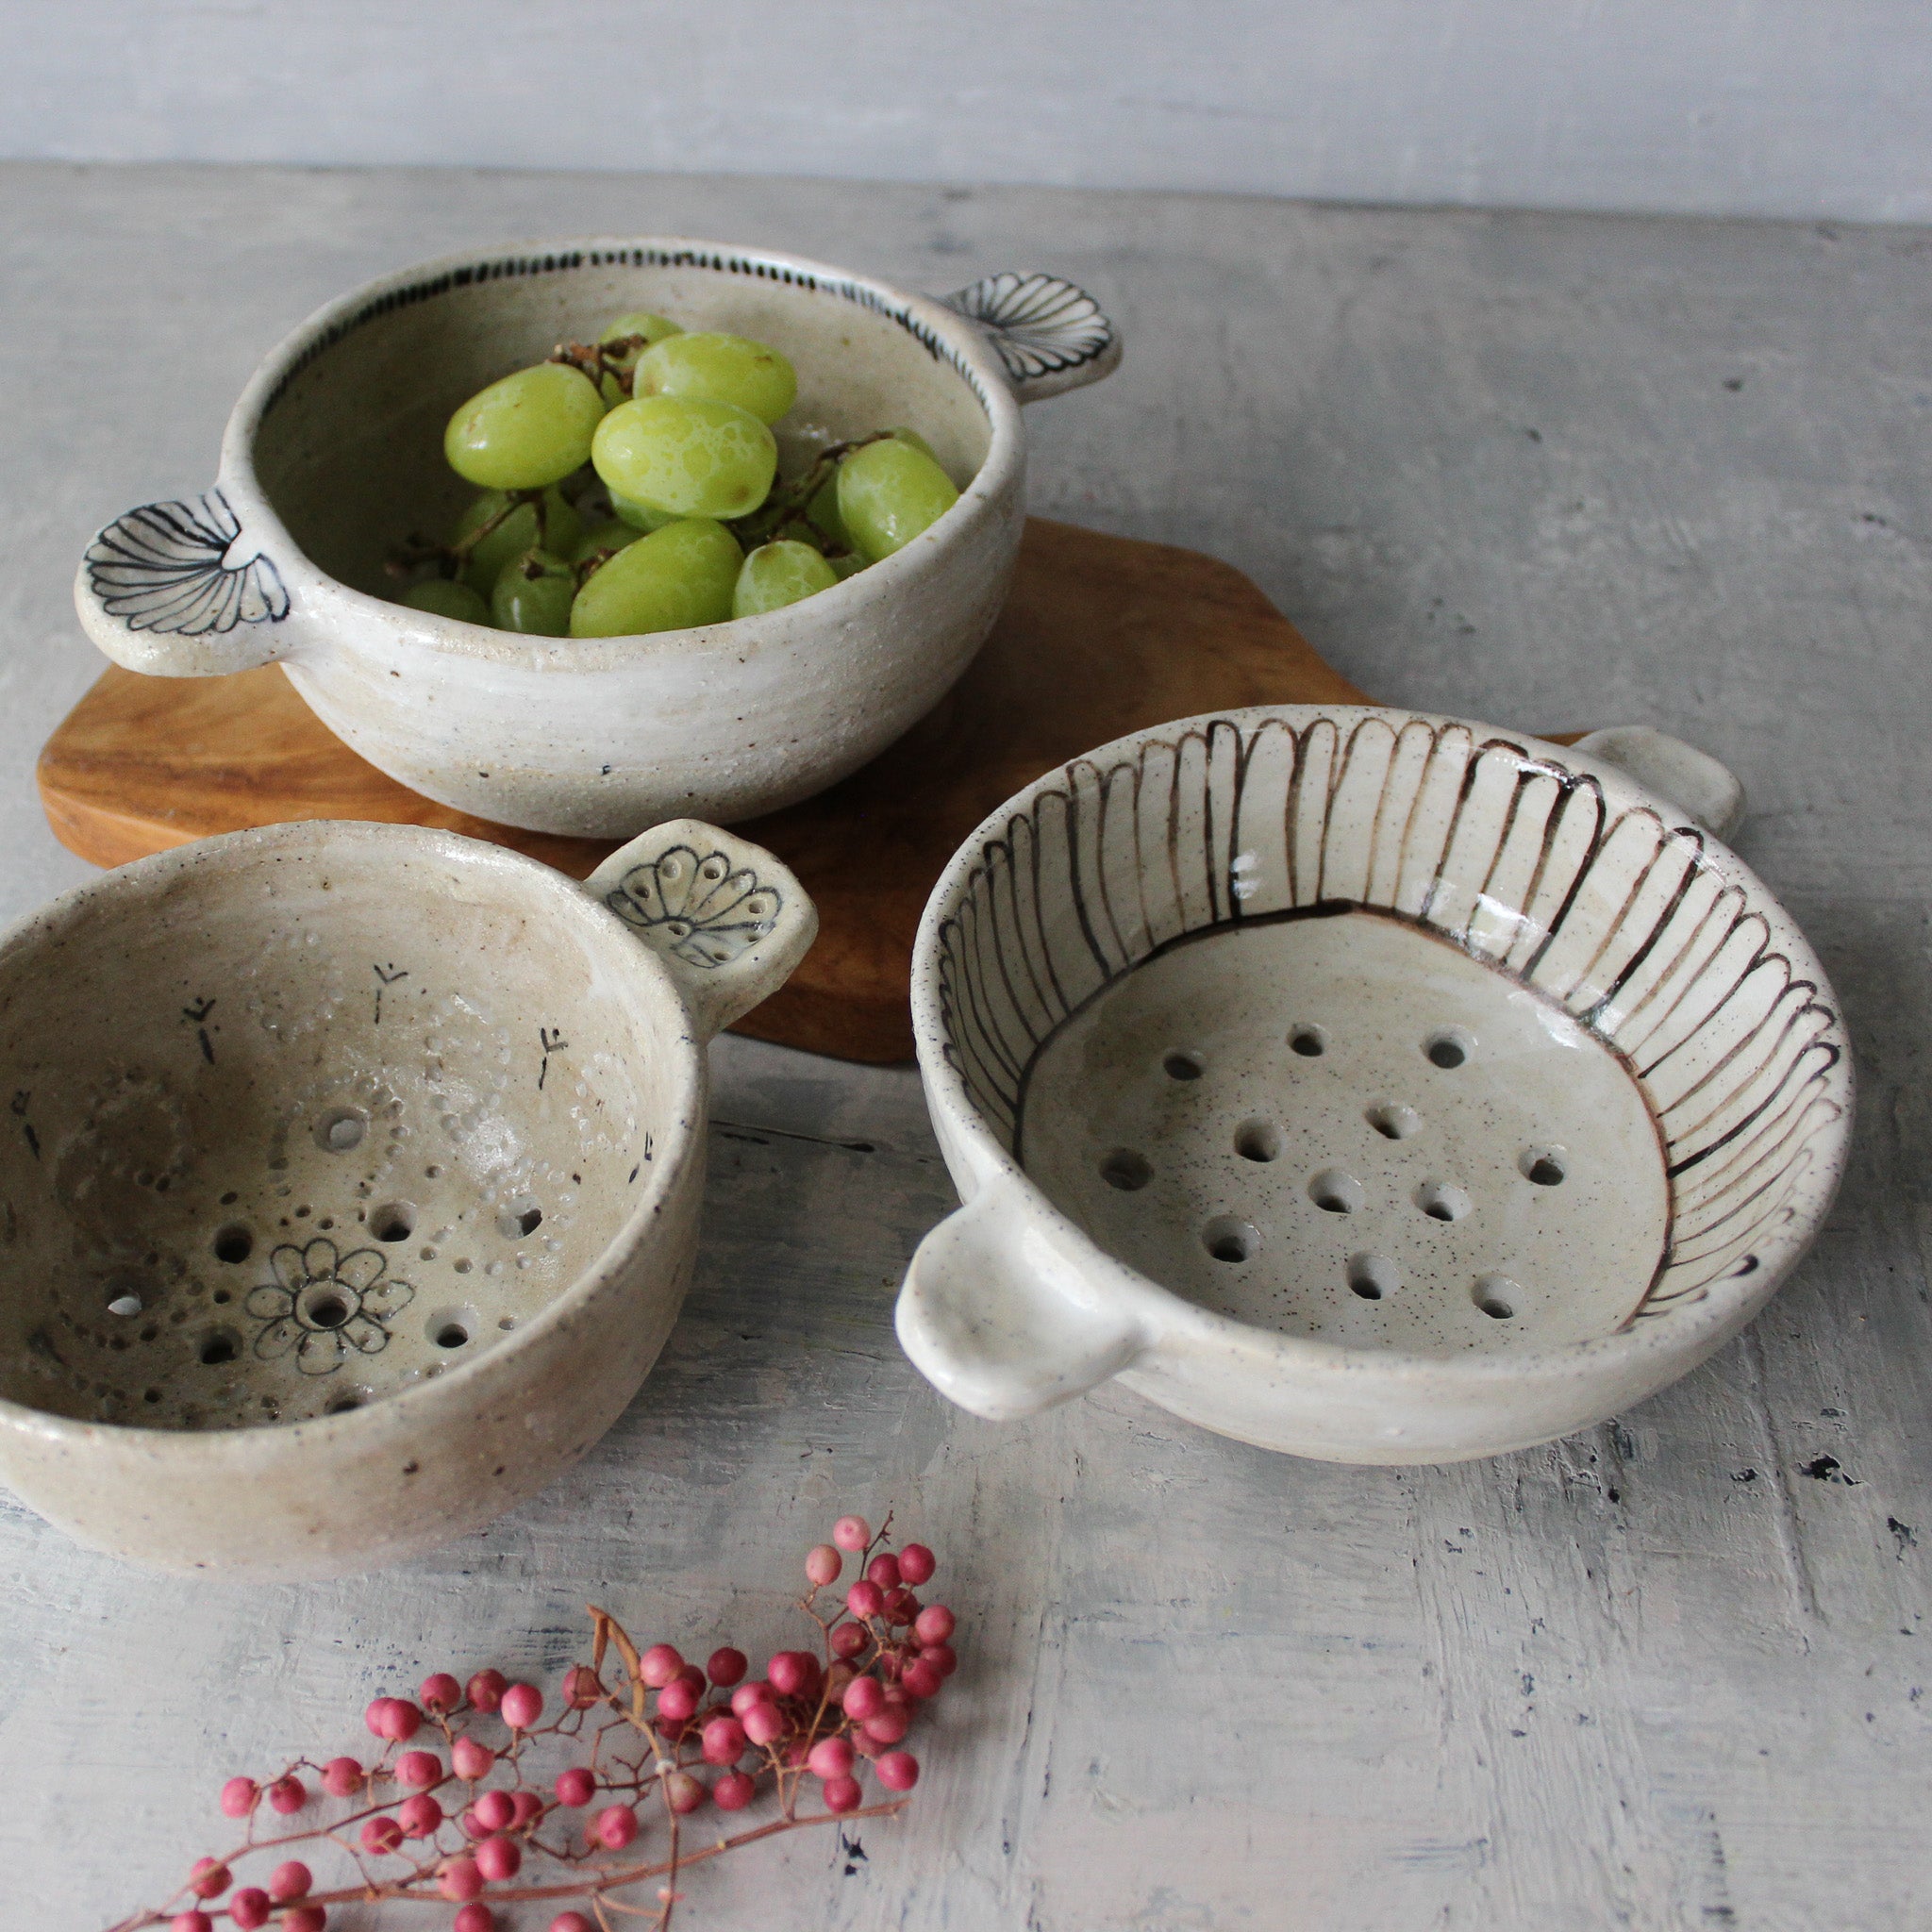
[(1102, 635)]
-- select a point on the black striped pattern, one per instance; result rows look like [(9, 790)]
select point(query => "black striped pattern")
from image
[(1620, 916)]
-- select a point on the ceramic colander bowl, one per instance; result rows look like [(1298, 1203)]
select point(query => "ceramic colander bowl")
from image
[(350, 1177), (1362, 1084)]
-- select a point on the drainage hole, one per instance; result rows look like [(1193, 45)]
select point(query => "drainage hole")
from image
[(340, 1130), (1395, 1123), (1228, 1239), (218, 1349), (394, 1221), (451, 1335), (1182, 1066), (1545, 1166), (327, 1310), (1125, 1169), (1371, 1277), (1440, 1201), (1311, 1043), (1336, 1192), (1451, 1046), (1496, 1295), (1258, 1141), (233, 1243)]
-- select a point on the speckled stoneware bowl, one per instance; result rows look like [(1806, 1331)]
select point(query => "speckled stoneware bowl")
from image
[(334, 454), (351, 1177), (1362, 1084)]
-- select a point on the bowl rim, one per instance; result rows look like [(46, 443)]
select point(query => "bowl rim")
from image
[(643, 983), (1172, 1326), (951, 338)]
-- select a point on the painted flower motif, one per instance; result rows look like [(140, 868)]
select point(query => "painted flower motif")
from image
[(696, 908), (184, 568), (1044, 328), (323, 1303)]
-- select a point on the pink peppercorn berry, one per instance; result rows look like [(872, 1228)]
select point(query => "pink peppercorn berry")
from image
[(942, 1657), (419, 1768), (419, 1816), (191, 1922), (677, 1701), (291, 1881), (916, 1565), (851, 1532), (522, 1706), (830, 1757), (865, 1599), (614, 1826), (822, 1565), (440, 1692), (726, 1666), (576, 1786), (249, 1909), (841, 1794), (237, 1797), (901, 1605), (884, 1570), (571, 1921), (381, 1835), (684, 1793), (208, 1878), (470, 1759), (528, 1805), (580, 1688), (495, 1810), (757, 1692), (498, 1857), (305, 1919), (764, 1724), (793, 1672), (889, 1726), (394, 1719), (864, 1698), (848, 1639), (933, 1624), (474, 1918), (724, 1741), (460, 1880), (485, 1690), (733, 1791), (659, 1665), (920, 1679), (287, 1795), (341, 1777), (898, 1771)]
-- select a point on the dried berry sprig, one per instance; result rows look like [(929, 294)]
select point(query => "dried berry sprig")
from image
[(451, 1809)]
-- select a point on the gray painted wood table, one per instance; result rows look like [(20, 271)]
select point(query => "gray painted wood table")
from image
[(1541, 470)]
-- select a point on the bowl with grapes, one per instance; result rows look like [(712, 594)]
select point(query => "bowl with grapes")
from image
[(352, 1177), (584, 534)]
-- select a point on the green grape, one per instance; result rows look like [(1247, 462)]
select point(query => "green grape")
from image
[(917, 441), (529, 430), (673, 579), (694, 457), (723, 369), (654, 328), (889, 492), (611, 534), (822, 512), (533, 595), (780, 573), (640, 516), (516, 534), (448, 599), (848, 566)]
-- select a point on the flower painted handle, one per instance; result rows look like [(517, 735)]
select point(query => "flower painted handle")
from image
[(1000, 1320), (1050, 335), (180, 590), (728, 919)]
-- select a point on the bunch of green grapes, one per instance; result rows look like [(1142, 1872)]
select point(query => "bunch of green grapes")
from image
[(632, 485)]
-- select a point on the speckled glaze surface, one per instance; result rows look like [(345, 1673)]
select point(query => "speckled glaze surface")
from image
[(351, 1177), (334, 454), (1364, 1084)]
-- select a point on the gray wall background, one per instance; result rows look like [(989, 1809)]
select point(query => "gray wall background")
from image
[(1796, 107)]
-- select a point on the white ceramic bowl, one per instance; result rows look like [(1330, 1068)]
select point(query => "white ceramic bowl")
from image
[(1362, 1084), (334, 454), (352, 1177)]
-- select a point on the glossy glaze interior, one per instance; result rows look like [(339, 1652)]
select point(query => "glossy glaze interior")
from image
[(295, 1129)]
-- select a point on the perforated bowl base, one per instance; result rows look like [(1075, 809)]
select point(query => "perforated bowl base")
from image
[(1344, 1126)]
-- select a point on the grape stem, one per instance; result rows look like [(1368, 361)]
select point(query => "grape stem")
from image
[(450, 557), (787, 506)]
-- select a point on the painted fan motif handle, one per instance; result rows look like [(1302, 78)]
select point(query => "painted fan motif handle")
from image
[(1050, 335), (180, 590)]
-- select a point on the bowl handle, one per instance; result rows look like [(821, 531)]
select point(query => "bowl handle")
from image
[(181, 589), (1681, 775), (1001, 1320), (727, 918), (1050, 335)]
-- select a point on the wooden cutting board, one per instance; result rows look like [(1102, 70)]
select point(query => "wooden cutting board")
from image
[(1102, 635)]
